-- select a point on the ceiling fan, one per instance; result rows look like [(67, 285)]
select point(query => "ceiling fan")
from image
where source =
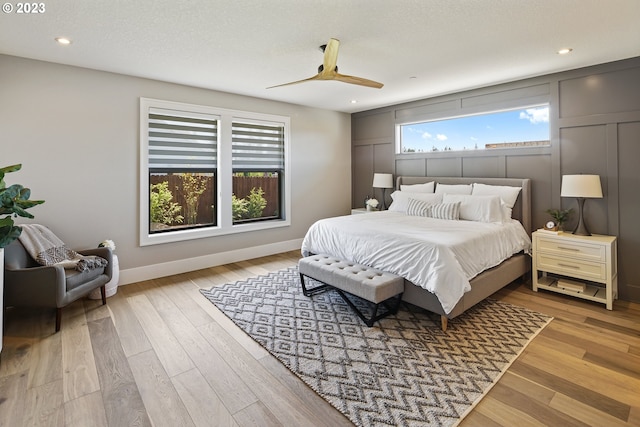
[(329, 70)]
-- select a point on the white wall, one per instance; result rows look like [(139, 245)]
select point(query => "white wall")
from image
[(76, 133)]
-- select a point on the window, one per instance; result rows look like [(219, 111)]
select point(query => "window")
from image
[(524, 127), (182, 170), (207, 171), (258, 168)]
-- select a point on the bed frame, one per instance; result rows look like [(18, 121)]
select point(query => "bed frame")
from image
[(491, 280)]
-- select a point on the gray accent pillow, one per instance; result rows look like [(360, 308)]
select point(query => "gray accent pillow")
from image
[(445, 211), (418, 208)]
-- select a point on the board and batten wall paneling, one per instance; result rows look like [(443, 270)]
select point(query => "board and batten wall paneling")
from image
[(373, 127), (583, 151), (594, 116), (629, 195), (362, 169), (420, 112), (380, 161), (373, 147), (444, 166), (537, 167), (483, 167), (600, 93), (411, 166), (508, 98)]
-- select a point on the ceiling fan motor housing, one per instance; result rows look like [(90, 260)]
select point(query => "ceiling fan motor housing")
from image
[(321, 68)]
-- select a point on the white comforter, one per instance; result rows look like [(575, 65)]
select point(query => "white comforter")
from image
[(438, 255)]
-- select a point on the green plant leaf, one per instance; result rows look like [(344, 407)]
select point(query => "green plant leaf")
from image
[(8, 232), (12, 168), (14, 201)]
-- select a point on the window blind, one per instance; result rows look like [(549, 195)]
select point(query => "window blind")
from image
[(182, 140), (257, 147)]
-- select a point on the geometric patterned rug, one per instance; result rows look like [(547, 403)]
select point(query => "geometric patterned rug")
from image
[(403, 371)]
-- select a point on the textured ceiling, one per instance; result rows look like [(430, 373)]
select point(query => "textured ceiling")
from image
[(417, 48)]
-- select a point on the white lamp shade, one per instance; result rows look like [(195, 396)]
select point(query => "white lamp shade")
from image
[(587, 186), (382, 180)]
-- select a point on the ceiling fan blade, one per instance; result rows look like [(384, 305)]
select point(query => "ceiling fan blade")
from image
[(316, 77), (357, 81), (328, 69), (330, 57)]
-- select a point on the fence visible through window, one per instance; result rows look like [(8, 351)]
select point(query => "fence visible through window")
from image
[(196, 210)]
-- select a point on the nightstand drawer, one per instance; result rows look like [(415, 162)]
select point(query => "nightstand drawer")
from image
[(580, 250), (571, 267)]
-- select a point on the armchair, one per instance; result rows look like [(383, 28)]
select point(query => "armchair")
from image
[(29, 284)]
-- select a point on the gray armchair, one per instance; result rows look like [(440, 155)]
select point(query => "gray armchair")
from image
[(29, 284)]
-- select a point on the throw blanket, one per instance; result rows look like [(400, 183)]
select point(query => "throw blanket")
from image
[(47, 249)]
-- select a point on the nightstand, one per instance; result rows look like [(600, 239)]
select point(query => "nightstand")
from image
[(590, 259), (361, 211)]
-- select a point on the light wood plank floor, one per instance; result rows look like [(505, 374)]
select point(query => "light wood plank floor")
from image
[(160, 354)]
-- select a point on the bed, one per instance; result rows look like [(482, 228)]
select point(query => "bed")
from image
[(387, 241)]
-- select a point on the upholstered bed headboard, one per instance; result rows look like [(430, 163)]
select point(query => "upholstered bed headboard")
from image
[(521, 210)]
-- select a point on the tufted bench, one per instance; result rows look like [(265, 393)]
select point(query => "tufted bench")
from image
[(375, 286)]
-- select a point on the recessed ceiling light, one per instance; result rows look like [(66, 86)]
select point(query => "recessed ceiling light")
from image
[(564, 51), (354, 101), (63, 40)]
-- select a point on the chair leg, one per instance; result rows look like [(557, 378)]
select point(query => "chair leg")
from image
[(103, 292), (58, 318)]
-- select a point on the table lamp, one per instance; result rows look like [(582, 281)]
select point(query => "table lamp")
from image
[(581, 187), (384, 181)]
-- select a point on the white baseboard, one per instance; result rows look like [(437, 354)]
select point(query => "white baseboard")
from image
[(154, 271)]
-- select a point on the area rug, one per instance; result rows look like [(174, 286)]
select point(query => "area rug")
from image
[(403, 371)]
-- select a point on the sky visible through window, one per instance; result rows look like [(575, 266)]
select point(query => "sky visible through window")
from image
[(505, 128)]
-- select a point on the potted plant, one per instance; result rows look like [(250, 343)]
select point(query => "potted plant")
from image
[(560, 216), (372, 204), (14, 201)]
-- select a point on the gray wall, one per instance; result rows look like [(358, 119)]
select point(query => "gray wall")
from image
[(594, 129), (76, 132)]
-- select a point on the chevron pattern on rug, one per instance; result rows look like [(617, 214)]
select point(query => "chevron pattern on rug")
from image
[(403, 371)]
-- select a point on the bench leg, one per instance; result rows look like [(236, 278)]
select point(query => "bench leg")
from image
[(393, 309), (308, 292), (390, 309)]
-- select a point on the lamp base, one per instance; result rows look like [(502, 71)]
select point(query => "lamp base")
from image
[(581, 228)]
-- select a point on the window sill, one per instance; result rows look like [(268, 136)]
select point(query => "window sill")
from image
[(201, 233)]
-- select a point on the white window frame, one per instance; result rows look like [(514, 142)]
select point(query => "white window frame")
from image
[(224, 221)]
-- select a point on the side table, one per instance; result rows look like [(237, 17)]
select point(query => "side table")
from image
[(590, 258)]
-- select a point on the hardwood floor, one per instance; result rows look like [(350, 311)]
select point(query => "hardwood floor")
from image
[(160, 354)]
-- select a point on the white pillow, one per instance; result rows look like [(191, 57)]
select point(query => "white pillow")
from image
[(401, 199), (507, 194), (477, 208), (454, 188), (419, 188)]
